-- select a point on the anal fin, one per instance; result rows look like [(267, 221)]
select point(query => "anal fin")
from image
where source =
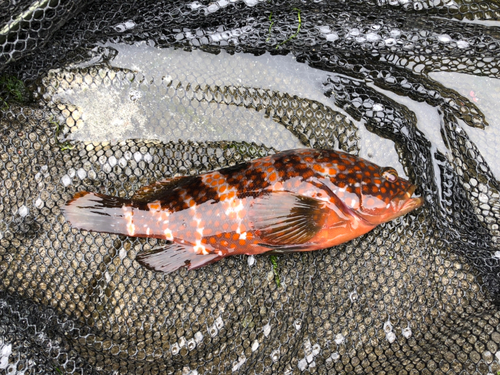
[(173, 256)]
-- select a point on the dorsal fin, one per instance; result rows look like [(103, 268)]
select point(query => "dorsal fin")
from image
[(160, 188)]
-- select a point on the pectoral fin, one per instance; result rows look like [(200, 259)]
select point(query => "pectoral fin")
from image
[(286, 219)]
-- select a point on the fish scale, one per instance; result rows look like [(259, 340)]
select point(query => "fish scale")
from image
[(296, 200)]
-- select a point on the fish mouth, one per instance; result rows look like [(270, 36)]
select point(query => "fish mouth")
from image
[(409, 202)]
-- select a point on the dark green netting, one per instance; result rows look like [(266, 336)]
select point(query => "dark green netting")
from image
[(110, 96)]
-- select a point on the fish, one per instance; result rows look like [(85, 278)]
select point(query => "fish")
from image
[(291, 201)]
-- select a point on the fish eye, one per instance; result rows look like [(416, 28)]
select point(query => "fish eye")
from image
[(390, 174)]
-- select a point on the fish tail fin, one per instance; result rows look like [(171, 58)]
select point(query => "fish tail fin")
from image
[(174, 256), (97, 212)]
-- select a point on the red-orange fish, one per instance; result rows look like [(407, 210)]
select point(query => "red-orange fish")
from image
[(297, 200)]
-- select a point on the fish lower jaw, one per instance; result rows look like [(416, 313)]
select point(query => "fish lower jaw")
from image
[(410, 205)]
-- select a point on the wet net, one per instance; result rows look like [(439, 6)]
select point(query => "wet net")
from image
[(111, 96)]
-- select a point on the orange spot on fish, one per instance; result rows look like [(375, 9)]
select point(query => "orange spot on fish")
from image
[(154, 206)]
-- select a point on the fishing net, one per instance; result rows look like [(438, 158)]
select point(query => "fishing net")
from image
[(110, 96)]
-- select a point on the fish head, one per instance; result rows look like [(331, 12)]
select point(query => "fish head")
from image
[(384, 196)]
